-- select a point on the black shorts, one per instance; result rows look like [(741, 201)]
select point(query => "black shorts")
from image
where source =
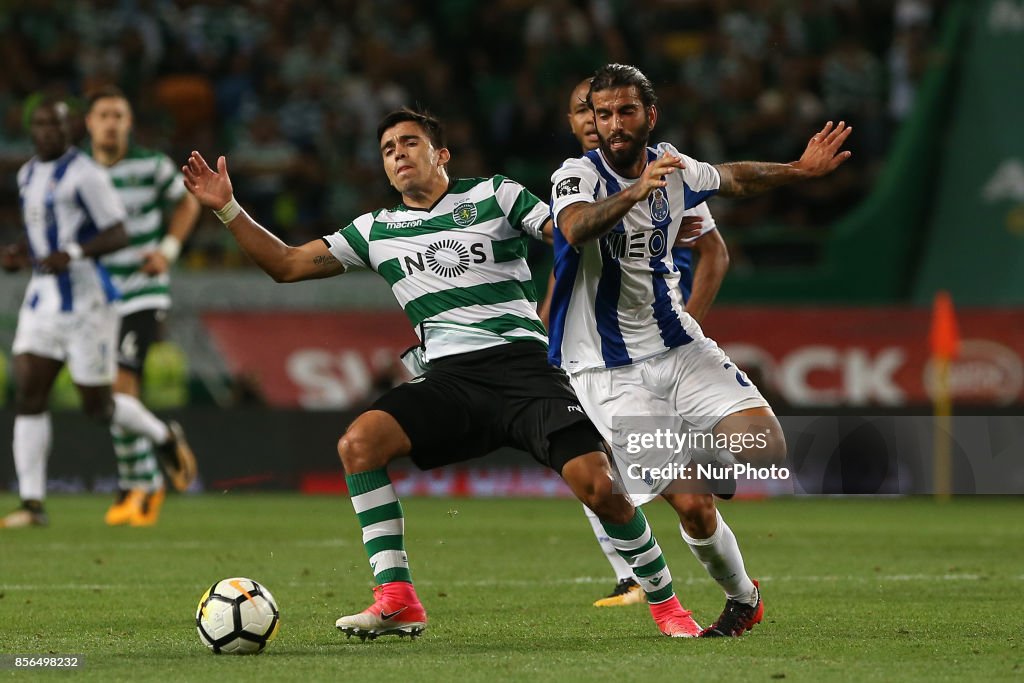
[(470, 404), (139, 331)]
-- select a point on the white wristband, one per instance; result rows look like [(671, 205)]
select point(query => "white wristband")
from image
[(74, 251), (227, 213), (170, 247)]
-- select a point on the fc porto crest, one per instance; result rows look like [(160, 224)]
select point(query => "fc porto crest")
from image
[(658, 201), (464, 214)]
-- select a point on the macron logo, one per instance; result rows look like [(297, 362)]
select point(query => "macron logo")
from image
[(405, 225), (575, 409)]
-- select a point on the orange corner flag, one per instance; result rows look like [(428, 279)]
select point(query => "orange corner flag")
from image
[(944, 336)]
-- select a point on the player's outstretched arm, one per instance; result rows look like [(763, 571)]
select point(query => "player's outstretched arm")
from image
[(822, 156), (213, 189), (587, 221)]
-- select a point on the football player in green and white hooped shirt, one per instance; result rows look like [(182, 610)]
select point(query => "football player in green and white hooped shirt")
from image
[(150, 186), (453, 252)]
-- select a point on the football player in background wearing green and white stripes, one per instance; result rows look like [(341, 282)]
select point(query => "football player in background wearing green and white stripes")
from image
[(150, 186)]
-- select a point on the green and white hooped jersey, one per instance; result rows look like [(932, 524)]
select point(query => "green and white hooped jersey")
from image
[(459, 268), (148, 183)]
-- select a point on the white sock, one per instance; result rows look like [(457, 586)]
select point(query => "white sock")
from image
[(32, 437), (132, 416), (721, 557), (619, 566)]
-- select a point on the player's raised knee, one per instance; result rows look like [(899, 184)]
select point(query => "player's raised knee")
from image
[(697, 512), (755, 437), (597, 493), (694, 506), (769, 448), (775, 450), (355, 448), (371, 442), (608, 504)]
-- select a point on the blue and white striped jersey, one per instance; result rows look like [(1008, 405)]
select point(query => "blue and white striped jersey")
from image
[(69, 199), (617, 300)]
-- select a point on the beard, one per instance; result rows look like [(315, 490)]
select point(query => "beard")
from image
[(630, 154)]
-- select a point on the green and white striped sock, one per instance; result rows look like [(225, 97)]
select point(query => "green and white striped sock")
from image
[(380, 515), (137, 467), (635, 542)]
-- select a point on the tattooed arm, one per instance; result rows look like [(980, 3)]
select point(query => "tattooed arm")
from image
[(586, 221), (822, 156), (311, 261)]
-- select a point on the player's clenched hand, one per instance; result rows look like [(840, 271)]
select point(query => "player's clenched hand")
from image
[(653, 176), (56, 262), (822, 155), (155, 263), (13, 258), (689, 229), (211, 188)]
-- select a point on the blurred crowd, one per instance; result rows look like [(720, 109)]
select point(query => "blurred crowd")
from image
[(292, 90)]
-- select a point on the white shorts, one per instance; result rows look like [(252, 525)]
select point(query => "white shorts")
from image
[(85, 340), (690, 387)]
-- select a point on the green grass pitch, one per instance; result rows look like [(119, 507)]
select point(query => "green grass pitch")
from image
[(855, 589)]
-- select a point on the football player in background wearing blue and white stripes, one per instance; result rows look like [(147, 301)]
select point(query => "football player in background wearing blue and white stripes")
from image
[(72, 216), (619, 326)]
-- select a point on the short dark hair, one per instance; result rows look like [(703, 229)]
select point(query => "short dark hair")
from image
[(430, 125), (622, 76), (37, 100), (103, 92)]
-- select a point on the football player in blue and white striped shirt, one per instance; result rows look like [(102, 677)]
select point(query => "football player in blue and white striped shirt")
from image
[(699, 284), (72, 216), (618, 322)]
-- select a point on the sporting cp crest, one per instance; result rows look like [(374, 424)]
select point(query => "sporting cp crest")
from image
[(659, 205), (464, 214)]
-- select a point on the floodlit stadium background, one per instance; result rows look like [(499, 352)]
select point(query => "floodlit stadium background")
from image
[(827, 302)]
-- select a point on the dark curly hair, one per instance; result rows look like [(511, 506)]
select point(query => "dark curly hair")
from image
[(622, 76)]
